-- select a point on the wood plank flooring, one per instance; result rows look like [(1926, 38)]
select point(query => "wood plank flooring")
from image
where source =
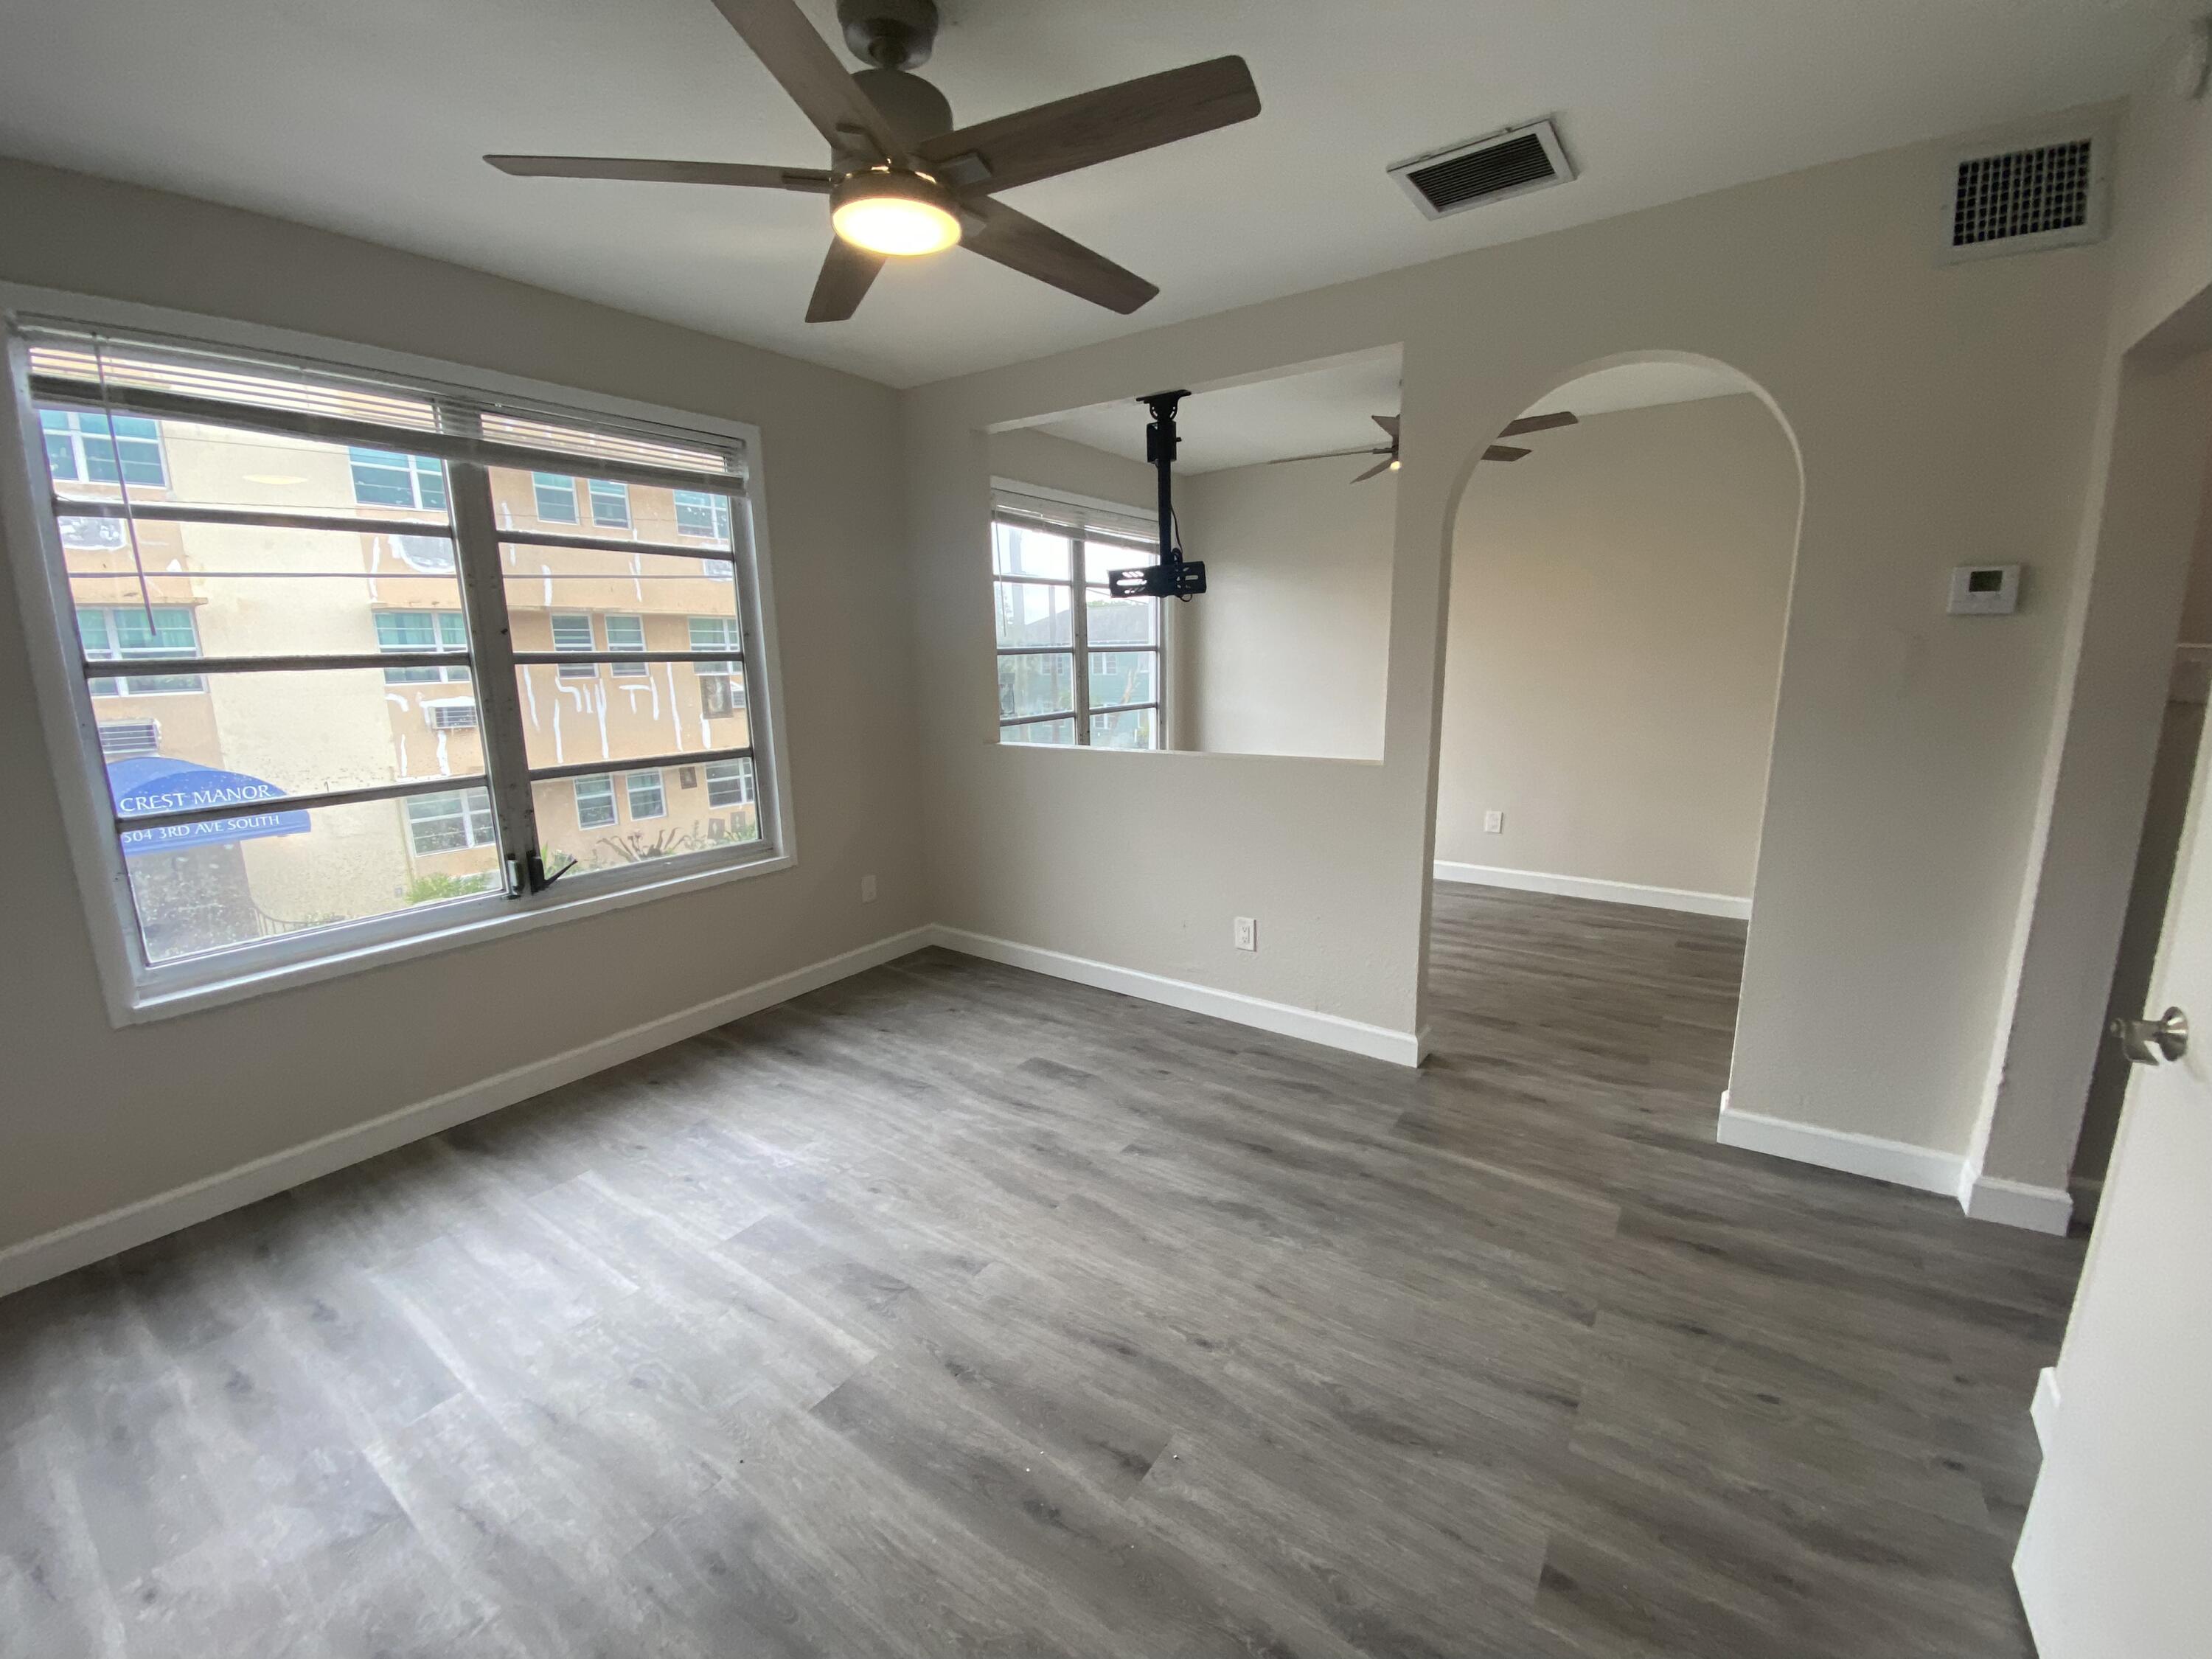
[(953, 1310)]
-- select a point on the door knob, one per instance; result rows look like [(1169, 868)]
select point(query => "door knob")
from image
[(2145, 1042)]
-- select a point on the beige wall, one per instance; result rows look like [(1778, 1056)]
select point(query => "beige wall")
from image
[(2124, 593), (1289, 651), (1615, 643), (1907, 746), (91, 1117)]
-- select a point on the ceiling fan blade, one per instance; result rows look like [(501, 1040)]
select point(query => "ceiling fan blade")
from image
[(1327, 455), (1099, 126), (804, 66), (1379, 466), (811, 179), (1503, 452), (1020, 243), (1388, 423), (846, 273), (1538, 423)]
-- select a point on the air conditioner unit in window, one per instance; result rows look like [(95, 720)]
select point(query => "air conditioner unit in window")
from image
[(451, 714), (118, 739)]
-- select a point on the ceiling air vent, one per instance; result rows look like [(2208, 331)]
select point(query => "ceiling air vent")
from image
[(1508, 164), (2017, 201)]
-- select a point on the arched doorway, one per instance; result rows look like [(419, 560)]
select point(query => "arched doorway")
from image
[(1616, 609)]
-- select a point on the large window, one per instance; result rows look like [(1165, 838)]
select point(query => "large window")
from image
[(1076, 665), (336, 645)]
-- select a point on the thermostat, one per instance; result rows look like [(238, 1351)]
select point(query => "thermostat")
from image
[(1984, 590)]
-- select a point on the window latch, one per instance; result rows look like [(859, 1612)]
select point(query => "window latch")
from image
[(539, 880)]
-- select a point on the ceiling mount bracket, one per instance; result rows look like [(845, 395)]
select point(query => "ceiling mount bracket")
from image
[(892, 34)]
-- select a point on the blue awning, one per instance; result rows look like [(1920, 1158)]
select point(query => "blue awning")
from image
[(147, 784)]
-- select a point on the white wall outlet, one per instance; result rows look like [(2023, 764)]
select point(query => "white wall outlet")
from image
[(867, 889), (1248, 934), (1493, 824)]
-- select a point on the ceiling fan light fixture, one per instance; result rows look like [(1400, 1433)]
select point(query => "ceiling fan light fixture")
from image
[(892, 212)]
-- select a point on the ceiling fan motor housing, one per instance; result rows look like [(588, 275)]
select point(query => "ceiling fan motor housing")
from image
[(891, 34)]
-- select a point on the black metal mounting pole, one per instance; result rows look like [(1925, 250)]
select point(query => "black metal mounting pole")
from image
[(1174, 577)]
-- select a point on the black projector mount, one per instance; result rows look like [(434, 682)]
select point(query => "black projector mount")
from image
[(1174, 577)]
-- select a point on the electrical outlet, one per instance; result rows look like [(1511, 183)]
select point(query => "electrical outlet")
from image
[(867, 889), (1493, 824), (1248, 934)]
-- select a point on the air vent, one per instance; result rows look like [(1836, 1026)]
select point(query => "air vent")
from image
[(2016, 201), (1508, 164)]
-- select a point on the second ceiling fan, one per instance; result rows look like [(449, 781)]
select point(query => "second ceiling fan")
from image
[(902, 180), (1389, 452)]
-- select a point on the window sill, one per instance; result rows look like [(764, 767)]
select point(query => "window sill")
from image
[(143, 1004)]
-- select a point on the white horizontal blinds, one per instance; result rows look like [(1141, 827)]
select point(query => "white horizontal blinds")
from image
[(144, 376), (1077, 667), (341, 599), (1140, 530)]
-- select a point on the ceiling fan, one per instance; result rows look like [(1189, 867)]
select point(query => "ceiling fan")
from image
[(1389, 452), (902, 180)]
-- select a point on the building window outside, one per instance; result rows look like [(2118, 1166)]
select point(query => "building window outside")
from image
[(1076, 665), (450, 822), (646, 798), (730, 783), (595, 802), (698, 513), (81, 449), (556, 497), (721, 684), (610, 503), (572, 631), (627, 634), (130, 632), (258, 830), (422, 630), (387, 478)]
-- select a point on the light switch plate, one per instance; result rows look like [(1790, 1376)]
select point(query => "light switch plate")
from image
[(1984, 590)]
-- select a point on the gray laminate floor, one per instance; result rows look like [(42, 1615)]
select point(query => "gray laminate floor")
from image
[(953, 1310)]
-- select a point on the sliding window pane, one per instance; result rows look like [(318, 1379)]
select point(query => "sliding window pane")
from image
[(250, 591), (286, 732), (668, 708), (608, 820), (276, 871), (1124, 677), (1101, 557), (1016, 551), (1035, 684), (1033, 613), (562, 504), (1121, 621), (1054, 732), (217, 466), (632, 601), (1131, 728)]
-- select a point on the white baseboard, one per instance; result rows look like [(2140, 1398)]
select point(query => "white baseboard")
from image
[(99, 1237), (2043, 1410), (2014, 1203), (1896, 1161), (1355, 1036), (1589, 887)]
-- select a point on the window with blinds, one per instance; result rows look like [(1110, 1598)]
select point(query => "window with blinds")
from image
[(1077, 667), (380, 650)]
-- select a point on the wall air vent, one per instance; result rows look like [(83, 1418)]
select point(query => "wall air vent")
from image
[(1508, 164), (2017, 201)]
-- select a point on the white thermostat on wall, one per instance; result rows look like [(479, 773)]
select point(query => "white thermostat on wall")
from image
[(1984, 590)]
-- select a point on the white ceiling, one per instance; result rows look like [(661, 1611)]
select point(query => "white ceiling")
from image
[(1644, 385), (1293, 414), (1312, 411), (369, 118)]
